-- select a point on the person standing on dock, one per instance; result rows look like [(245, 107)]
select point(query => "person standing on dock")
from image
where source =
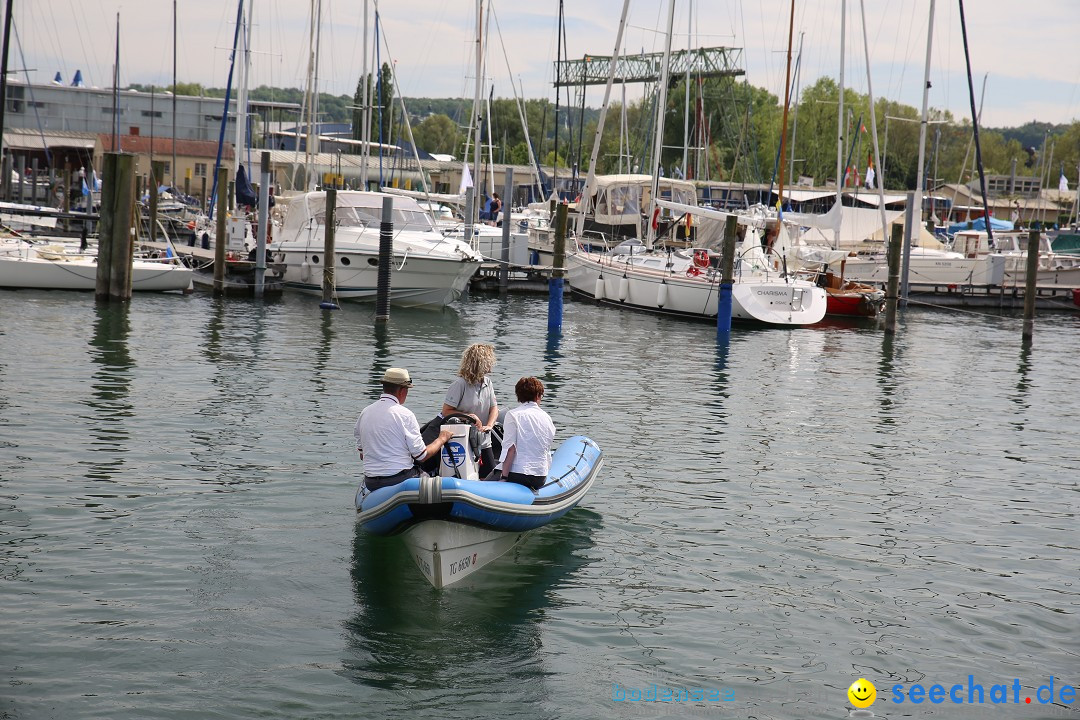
[(388, 435)]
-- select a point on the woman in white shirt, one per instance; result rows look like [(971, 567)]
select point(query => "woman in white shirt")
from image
[(527, 435)]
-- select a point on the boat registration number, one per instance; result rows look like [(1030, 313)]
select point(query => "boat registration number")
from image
[(424, 565), (462, 564)]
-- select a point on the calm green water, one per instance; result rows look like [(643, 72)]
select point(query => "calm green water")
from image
[(775, 519)]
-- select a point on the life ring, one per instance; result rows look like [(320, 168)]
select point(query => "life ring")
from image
[(701, 258)]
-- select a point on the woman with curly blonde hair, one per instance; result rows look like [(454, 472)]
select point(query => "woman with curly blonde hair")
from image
[(473, 394)]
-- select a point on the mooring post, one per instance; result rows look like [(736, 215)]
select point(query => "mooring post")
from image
[(386, 260), (20, 167), (264, 225), (911, 220), (555, 282), (5, 181), (66, 207), (1029, 285), (727, 278), (220, 241), (504, 266), (157, 172), (124, 210), (34, 182), (109, 187), (329, 251), (893, 286)]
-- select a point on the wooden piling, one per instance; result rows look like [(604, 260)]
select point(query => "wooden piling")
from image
[(504, 266), (264, 225), (20, 167), (5, 180), (157, 172), (1029, 285), (220, 240), (105, 228), (893, 287), (67, 193), (114, 238), (34, 182)]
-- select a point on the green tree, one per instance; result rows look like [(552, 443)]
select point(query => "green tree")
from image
[(437, 134)]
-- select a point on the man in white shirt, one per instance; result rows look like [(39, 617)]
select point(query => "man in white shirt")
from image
[(527, 435), (388, 435)]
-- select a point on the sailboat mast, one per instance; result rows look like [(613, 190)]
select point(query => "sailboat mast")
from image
[(840, 126), (173, 173), (923, 118), (116, 90), (686, 93), (474, 124), (365, 149), (4, 70), (661, 106), (795, 115), (590, 178), (787, 101), (241, 94), (974, 128)]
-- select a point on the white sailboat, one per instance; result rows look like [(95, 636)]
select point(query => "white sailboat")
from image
[(687, 282)]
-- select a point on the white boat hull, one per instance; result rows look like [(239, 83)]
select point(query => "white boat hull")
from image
[(448, 552), (932, 270), (414, 281), (80, 273), (765, 299)]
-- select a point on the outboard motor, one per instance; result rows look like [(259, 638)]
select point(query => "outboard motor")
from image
[(458, 455)]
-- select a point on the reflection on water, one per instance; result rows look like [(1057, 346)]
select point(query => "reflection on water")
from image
[(887, 382), (109, 402), (224, 434), (469, 645), (323, 350), (552, 357), (780, 515)]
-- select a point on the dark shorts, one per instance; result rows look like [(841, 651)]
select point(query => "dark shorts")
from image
[(374, 483), (530, 481)]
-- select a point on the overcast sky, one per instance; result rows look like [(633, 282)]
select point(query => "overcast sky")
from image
[(1028, 51)]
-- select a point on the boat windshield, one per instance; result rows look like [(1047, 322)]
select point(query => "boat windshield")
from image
[(363, 211)]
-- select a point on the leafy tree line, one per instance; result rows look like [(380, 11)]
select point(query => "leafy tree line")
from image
[(734, 133)]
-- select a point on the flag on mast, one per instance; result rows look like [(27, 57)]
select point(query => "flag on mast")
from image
[(466, 179)]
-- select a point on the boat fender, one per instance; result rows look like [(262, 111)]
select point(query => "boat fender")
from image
[(624, 288), (598, 291), (661, 295), (305, 271)]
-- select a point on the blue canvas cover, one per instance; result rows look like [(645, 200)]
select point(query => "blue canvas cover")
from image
[(980, 224)]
